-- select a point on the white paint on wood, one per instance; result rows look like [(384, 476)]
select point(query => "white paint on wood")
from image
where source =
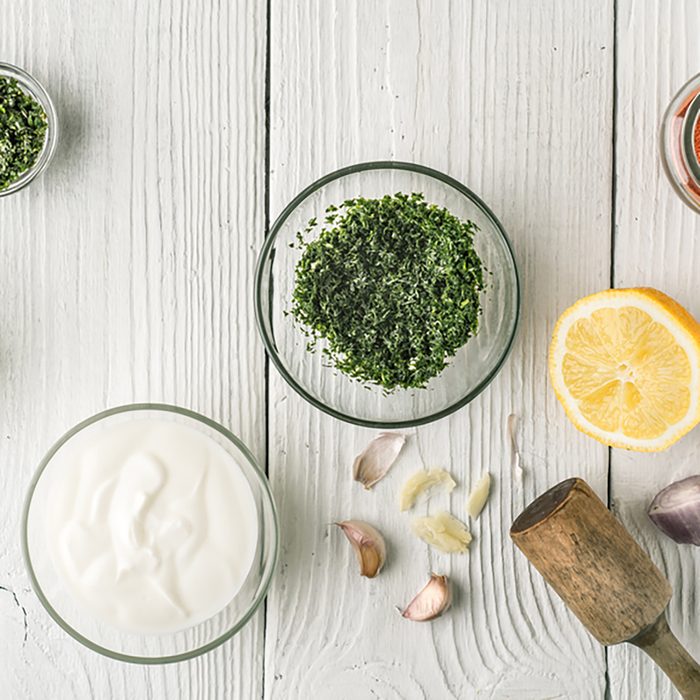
[(515, 100), (656, 245), (126, 274)]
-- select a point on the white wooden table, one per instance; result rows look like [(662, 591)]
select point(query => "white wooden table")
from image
[(127, 275)]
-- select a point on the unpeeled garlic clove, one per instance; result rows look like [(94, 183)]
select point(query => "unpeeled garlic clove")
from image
[(676, 511), (368, 544), (431, 601), (376, 459)]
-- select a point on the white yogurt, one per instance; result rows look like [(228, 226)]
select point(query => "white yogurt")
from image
[(152, 524)]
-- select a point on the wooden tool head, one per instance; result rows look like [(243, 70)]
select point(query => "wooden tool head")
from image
[(592, 562)]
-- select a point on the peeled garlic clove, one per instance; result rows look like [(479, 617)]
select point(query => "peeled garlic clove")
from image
[(422, 483), (431, 601), (444, 532), (375, 460), (515, 460), (478, 497), (368, 544)]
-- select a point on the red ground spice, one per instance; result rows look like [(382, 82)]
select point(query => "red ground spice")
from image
[(678, 121)]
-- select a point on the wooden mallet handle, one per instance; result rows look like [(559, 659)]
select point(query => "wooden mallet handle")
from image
[(603, 575), (671, 656)]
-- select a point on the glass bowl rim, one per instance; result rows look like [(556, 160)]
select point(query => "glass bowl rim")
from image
[(267, 496), (37, 90), (272, 236)]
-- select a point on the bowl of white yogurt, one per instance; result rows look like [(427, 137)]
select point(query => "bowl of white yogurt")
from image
[(150, 533)]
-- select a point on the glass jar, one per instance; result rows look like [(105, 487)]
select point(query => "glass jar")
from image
[(680, 143)]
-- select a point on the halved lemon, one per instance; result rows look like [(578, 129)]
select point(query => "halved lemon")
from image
[(625, 364)]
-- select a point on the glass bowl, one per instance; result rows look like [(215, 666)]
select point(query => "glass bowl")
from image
[(35, 90), (114, 642), (468, 372)]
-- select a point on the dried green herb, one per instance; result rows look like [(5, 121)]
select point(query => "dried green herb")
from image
[(392, 285), (23, 126)]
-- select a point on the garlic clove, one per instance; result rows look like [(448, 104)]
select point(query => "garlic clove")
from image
[(431, 601), (675, 510), (371, 465), (368, 544), (422, 483), (515, 460), (444, 532), (478, 496)]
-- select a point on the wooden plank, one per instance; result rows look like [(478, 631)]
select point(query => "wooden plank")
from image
[(656, 245), (515, 100), (127, 273)]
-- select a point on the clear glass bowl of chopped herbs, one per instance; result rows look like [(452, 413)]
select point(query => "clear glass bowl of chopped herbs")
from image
[(387, 294), (28, 129)]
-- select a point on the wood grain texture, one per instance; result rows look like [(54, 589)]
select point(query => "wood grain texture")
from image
[(126, 276), (515, 100), (657, 245), (586, 555), (671, 657)]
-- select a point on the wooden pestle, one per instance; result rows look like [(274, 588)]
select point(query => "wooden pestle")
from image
[(604, 576)]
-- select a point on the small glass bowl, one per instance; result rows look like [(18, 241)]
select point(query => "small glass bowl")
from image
[(144, 648), (34, 89), (309, 373), (680, 143)]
